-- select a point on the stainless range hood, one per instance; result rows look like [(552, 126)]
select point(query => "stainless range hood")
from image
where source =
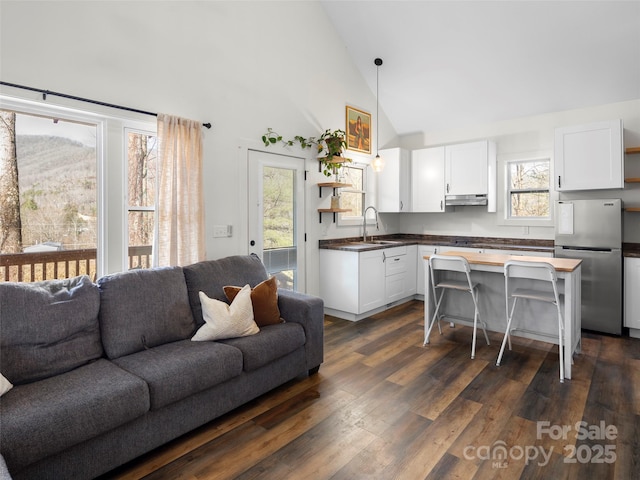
[(457, 200)]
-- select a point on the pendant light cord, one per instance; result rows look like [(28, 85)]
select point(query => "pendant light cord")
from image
[(378, 62)]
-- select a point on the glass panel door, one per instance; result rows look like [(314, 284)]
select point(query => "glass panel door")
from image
[(276, 216)]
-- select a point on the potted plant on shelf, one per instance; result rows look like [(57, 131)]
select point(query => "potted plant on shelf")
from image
[(331, 143)]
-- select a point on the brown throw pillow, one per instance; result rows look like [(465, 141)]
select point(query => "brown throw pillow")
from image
[(264, 298)]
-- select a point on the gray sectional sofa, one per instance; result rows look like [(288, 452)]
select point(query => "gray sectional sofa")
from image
[(106, 372)]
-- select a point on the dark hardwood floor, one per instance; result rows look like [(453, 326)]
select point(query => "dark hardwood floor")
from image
[(385, 407)]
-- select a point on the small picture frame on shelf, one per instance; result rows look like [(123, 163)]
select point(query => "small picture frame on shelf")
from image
[(358, 128)]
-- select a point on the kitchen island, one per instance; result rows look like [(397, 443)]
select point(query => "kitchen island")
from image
[(533, 320)]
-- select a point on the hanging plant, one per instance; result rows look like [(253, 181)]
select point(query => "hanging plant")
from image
[(331, 143)]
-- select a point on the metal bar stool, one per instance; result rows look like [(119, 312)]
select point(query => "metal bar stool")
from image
[(454, 264), (535, 271)]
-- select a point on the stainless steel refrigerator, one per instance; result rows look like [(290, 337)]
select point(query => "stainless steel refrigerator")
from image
[(592, 231)]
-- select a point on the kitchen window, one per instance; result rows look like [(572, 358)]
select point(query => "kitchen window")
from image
[(352, 197), (528, 194)]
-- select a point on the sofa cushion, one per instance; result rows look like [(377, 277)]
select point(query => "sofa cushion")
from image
[(273, 342), (211, 276), (5, 385), (264, 299), (45, 417), (143, 308), (48, 327), (226, 321), (177, 370)]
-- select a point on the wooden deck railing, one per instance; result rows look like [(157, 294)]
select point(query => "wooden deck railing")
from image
[(34, 267)]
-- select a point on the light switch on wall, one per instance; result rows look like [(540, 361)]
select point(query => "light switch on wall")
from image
[(220, 231)]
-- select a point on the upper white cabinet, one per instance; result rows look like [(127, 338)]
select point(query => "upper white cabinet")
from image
[(589, 157), (394, 183), (470, 169), (427, 180), (466, 167)]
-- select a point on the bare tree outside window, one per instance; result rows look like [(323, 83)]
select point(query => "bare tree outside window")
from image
[(10, 220), (142, 191), (529, 189)]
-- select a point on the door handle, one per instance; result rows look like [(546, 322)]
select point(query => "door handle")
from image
[(559, 183), (447, 188), (384, 257), (440, 204), (401, 205)]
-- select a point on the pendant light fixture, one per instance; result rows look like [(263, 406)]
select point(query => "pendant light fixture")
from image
[(378, 162)]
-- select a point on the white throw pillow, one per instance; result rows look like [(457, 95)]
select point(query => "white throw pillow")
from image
[(5, 385), (226, 321)]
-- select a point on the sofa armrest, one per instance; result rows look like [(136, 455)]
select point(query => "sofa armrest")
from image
[(308, 311)]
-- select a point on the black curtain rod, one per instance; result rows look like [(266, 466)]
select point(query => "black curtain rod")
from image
[(87, 100)]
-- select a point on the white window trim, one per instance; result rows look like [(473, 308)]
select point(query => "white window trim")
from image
[(112, 240), (504, 192), (344, 219), (150, 130)]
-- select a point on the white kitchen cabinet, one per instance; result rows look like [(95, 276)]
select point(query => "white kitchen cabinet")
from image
[(354, 283), (394, 187), (631, 298), (427, 180), (466, 168), (371, 283), (351, 281), (421, 265), (589, 157), (400, 272)]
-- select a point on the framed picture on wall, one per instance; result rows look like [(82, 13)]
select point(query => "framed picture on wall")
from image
[(358, 128)]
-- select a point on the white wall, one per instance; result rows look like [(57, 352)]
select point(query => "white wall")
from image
[(521, 138), (244, 66)]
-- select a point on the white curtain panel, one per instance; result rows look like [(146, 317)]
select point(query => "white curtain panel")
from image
[(181, 239)]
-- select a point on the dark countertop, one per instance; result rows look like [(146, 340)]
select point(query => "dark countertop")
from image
[(631, 250), (356, 244)]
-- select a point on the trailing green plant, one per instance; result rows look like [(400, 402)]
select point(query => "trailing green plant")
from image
[(331, 143)]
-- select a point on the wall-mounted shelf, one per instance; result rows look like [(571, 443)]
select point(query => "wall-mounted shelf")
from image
[(333, 185), (631, 150), (335, 159), (332, 210)]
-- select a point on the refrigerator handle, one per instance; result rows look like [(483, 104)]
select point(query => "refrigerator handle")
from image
[(559, 182)]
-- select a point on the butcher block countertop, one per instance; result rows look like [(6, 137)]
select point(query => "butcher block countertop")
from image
[(498, 260)]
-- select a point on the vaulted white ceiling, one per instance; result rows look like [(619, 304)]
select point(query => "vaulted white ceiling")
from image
[(452, 64)]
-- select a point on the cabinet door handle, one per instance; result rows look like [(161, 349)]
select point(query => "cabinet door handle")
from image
[(559, 182), (401, 205), (447, 188), (384, 257), (440, 204), (396, 259)]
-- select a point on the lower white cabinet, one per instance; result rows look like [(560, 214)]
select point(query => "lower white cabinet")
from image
[(421, 265), (353, 283), (631, 298), (371, 274), (400, 272)]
